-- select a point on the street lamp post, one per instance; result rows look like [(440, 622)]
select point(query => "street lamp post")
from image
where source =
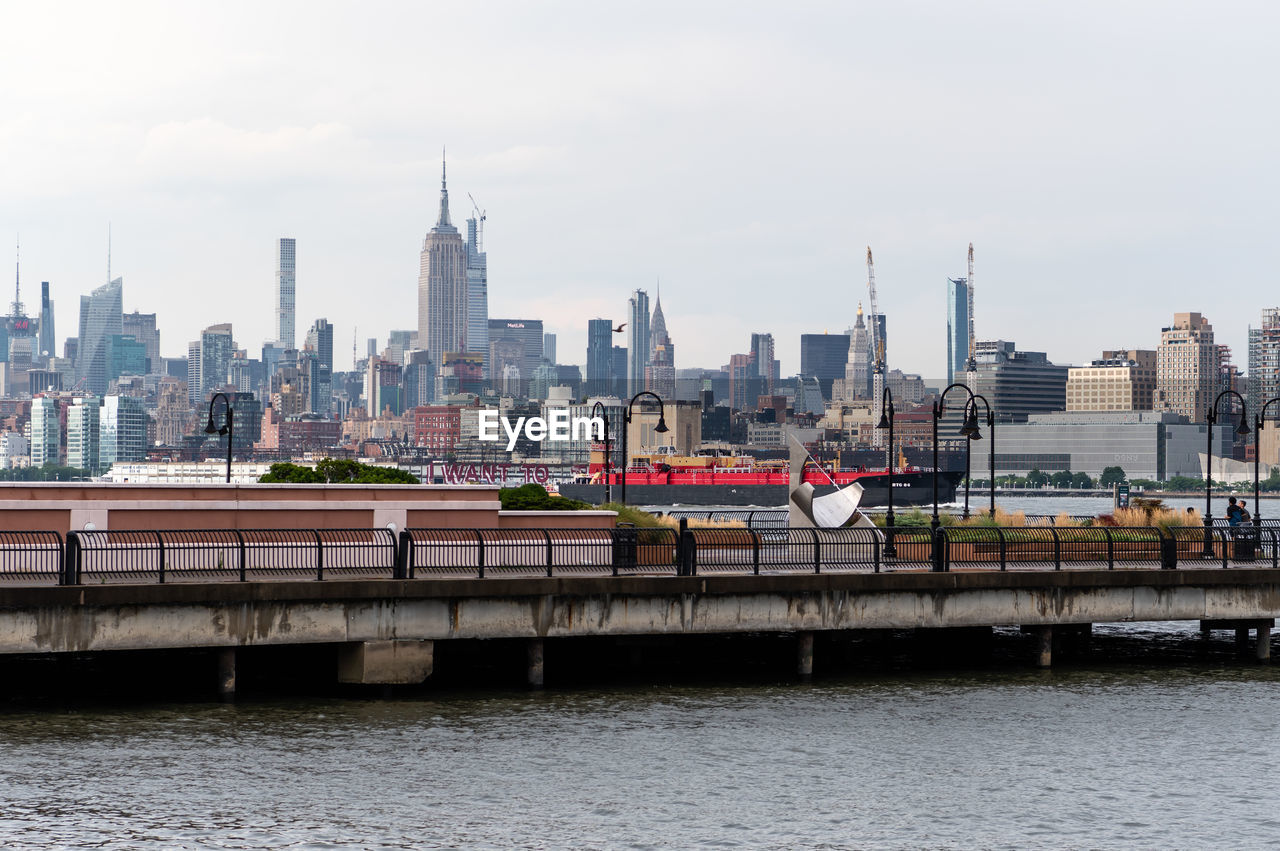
[(886, 421), (661, 428), (1259, 421), (227, 428), (969, 430), (604, 415), (991, 449), (1211, 416)]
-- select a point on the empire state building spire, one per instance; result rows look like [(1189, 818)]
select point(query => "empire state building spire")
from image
[(442, 221)]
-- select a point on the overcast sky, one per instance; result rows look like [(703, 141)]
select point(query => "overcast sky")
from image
[(1113, 163)]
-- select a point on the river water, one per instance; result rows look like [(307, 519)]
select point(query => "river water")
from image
[(1167, 748)]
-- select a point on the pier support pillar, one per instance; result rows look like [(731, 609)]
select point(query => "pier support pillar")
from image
[(1242, 639), (1045, 640), (1262, 648), (390, 662), (804, 655), (227, 674), (534, 663)]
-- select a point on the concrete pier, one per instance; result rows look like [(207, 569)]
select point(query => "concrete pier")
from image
[(1044, 658), (804, 655), (396, 662), (1262, 646), (227, 674), (534, 663)]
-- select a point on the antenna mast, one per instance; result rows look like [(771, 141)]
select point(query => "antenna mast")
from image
[(17, 277)]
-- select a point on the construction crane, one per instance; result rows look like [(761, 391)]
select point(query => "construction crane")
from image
[(877, 350), (480, 217), (973, 342)]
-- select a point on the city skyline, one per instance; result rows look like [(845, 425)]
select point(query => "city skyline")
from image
[(1067, 177)]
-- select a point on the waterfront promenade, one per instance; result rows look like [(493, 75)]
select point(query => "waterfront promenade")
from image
[(382, 599)]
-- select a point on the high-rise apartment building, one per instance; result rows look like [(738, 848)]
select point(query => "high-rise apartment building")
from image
[(442, 286), (286, 289), (1264, 363), (637, 340), (477, 291), (549, 348), (618, 358), (599, 356), (957, 329), (660, 374), (211, 358), (1188, 365), (742, 381), (46, 431), (48, 338), (101, 316), (122, 431), (142, 327), (82, 434), (1118, 381)]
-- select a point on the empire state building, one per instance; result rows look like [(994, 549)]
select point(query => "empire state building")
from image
[(442, 286)]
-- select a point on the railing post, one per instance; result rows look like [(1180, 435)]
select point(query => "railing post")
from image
[(690, 552), (480, 553), (875, 550), (403, 556), (938, 543), (680, 545), (755, 551), (1168, 550), (550, 561), (71, 560), (1223, 539), (1057, 549), (817, 552), (1004, 549), (160, 542), (1111, 549), (243, 566), (1275, 557), (319, 555), (751, 516)]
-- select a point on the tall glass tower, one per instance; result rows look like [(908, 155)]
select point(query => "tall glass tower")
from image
[(957, 329), (637, 340), (286, 290), (477, 292), (101, 315)]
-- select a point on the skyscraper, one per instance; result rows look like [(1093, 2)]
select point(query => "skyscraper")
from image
[(824, 357), (660, 376), (637, 340), (1187, 367), (549, 348), (142, 326), (765, 363), (477, 291), (957, 329), (320, 341), (528, 334), (599, 356), (100, 317), (214, 348), (442, 286), (857, 370), (48, 339), (286, 290)]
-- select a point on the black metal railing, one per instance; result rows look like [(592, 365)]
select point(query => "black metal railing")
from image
[(105, 556)]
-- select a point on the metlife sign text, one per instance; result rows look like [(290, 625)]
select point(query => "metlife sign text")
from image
[(557, 427)]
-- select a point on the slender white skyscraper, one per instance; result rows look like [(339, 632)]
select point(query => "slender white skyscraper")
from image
[(637, 340), (477, 291), (286, 290)]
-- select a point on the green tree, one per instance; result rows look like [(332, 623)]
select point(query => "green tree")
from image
[(534, 497), (1111, 476), (1037, 479), (340, 471), (1061, 479), (1081, 480), (1272, 481)]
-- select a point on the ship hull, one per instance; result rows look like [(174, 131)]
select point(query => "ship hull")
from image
[(909, 489)]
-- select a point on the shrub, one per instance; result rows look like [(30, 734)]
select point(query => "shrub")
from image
[(534, 497)]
